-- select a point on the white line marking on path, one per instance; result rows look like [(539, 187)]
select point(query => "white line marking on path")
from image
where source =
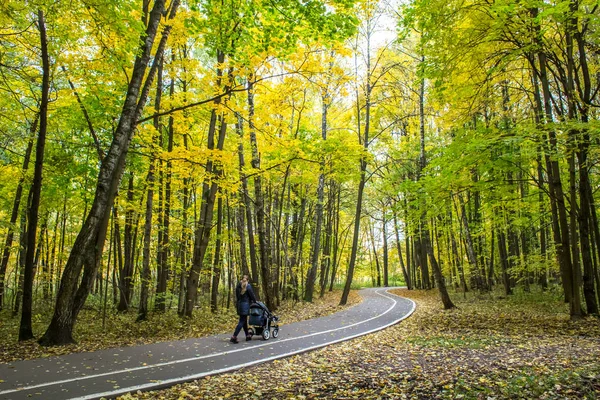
[(213, 372)]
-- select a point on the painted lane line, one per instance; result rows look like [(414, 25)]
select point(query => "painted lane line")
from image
[(185, 360), (169, 382), (174, 362)]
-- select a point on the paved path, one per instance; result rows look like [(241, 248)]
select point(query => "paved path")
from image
[(108, 373)]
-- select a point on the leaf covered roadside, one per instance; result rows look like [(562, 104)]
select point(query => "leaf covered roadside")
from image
[(122, 330), (522, 347)]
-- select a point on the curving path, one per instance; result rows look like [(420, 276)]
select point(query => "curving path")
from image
[(108, 373)]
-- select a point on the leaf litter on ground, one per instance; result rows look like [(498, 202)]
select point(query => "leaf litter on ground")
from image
[(487, 348), (121, 329)]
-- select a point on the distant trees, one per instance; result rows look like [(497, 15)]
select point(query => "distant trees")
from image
[(515, 161)]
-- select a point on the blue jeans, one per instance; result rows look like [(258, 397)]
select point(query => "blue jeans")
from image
[(242, 323)]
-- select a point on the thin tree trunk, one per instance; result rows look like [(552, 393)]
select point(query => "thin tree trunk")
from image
[(230, 263), (375, 255), (363, 168), (118, 257), (25, 328), (386, 282), (336, 235), (504, 262), (183, 252), (146, 273), (326, 260), (52, 255), (585, 190), (468, 239), (167, 214), (209, 192), (437, 275), (163, 229), (260, 206), (297, 226), (457, 260), (316, 239), (405, 272), (15, 211), (110, 246), (21, 263), (216, 275), (61, 248), (243, 193), (491, 281), (574, 210), (560, 224), (126, 273)]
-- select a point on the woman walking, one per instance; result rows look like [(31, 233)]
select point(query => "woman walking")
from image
[(244, 296)]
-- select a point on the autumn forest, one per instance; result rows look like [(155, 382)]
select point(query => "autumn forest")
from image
[(153, 152)]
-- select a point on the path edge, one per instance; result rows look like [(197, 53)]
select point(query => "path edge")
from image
[(175, 381)]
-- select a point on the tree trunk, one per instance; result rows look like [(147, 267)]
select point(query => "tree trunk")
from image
[(87, 249), (21, 258), (243, 193), (183, 249), (118, 261), (164, 196), (297, 238), (61, 248), (363, 169), (216, 275), (52, 255), (316, 242), (146, 274), (15, 212), (375, 255), (316, 239), (560, 225), (504, 262), (457, 259), (386, 282), (468, 239), (490, 273), (126, 273), (326, 260), (585, 190), (543, 245), (405, 272), (260, 206), (25, 328), (209, 192), (336, 235), (166, 240), (437, 272), (356, 233)]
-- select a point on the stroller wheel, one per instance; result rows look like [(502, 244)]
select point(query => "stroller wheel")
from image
[(251, 332), (266, 334), (275, 332)]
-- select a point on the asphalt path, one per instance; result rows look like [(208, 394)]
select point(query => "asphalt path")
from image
[(112, 372)]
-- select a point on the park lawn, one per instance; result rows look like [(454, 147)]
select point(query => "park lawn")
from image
[(122, 330), (491, 347)]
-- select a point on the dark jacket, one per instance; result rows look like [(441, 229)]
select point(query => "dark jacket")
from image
[(243, 301)]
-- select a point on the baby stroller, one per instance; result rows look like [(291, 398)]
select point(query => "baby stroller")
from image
[(262, 321)]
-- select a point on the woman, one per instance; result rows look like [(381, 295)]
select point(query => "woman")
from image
[(244, 296)]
